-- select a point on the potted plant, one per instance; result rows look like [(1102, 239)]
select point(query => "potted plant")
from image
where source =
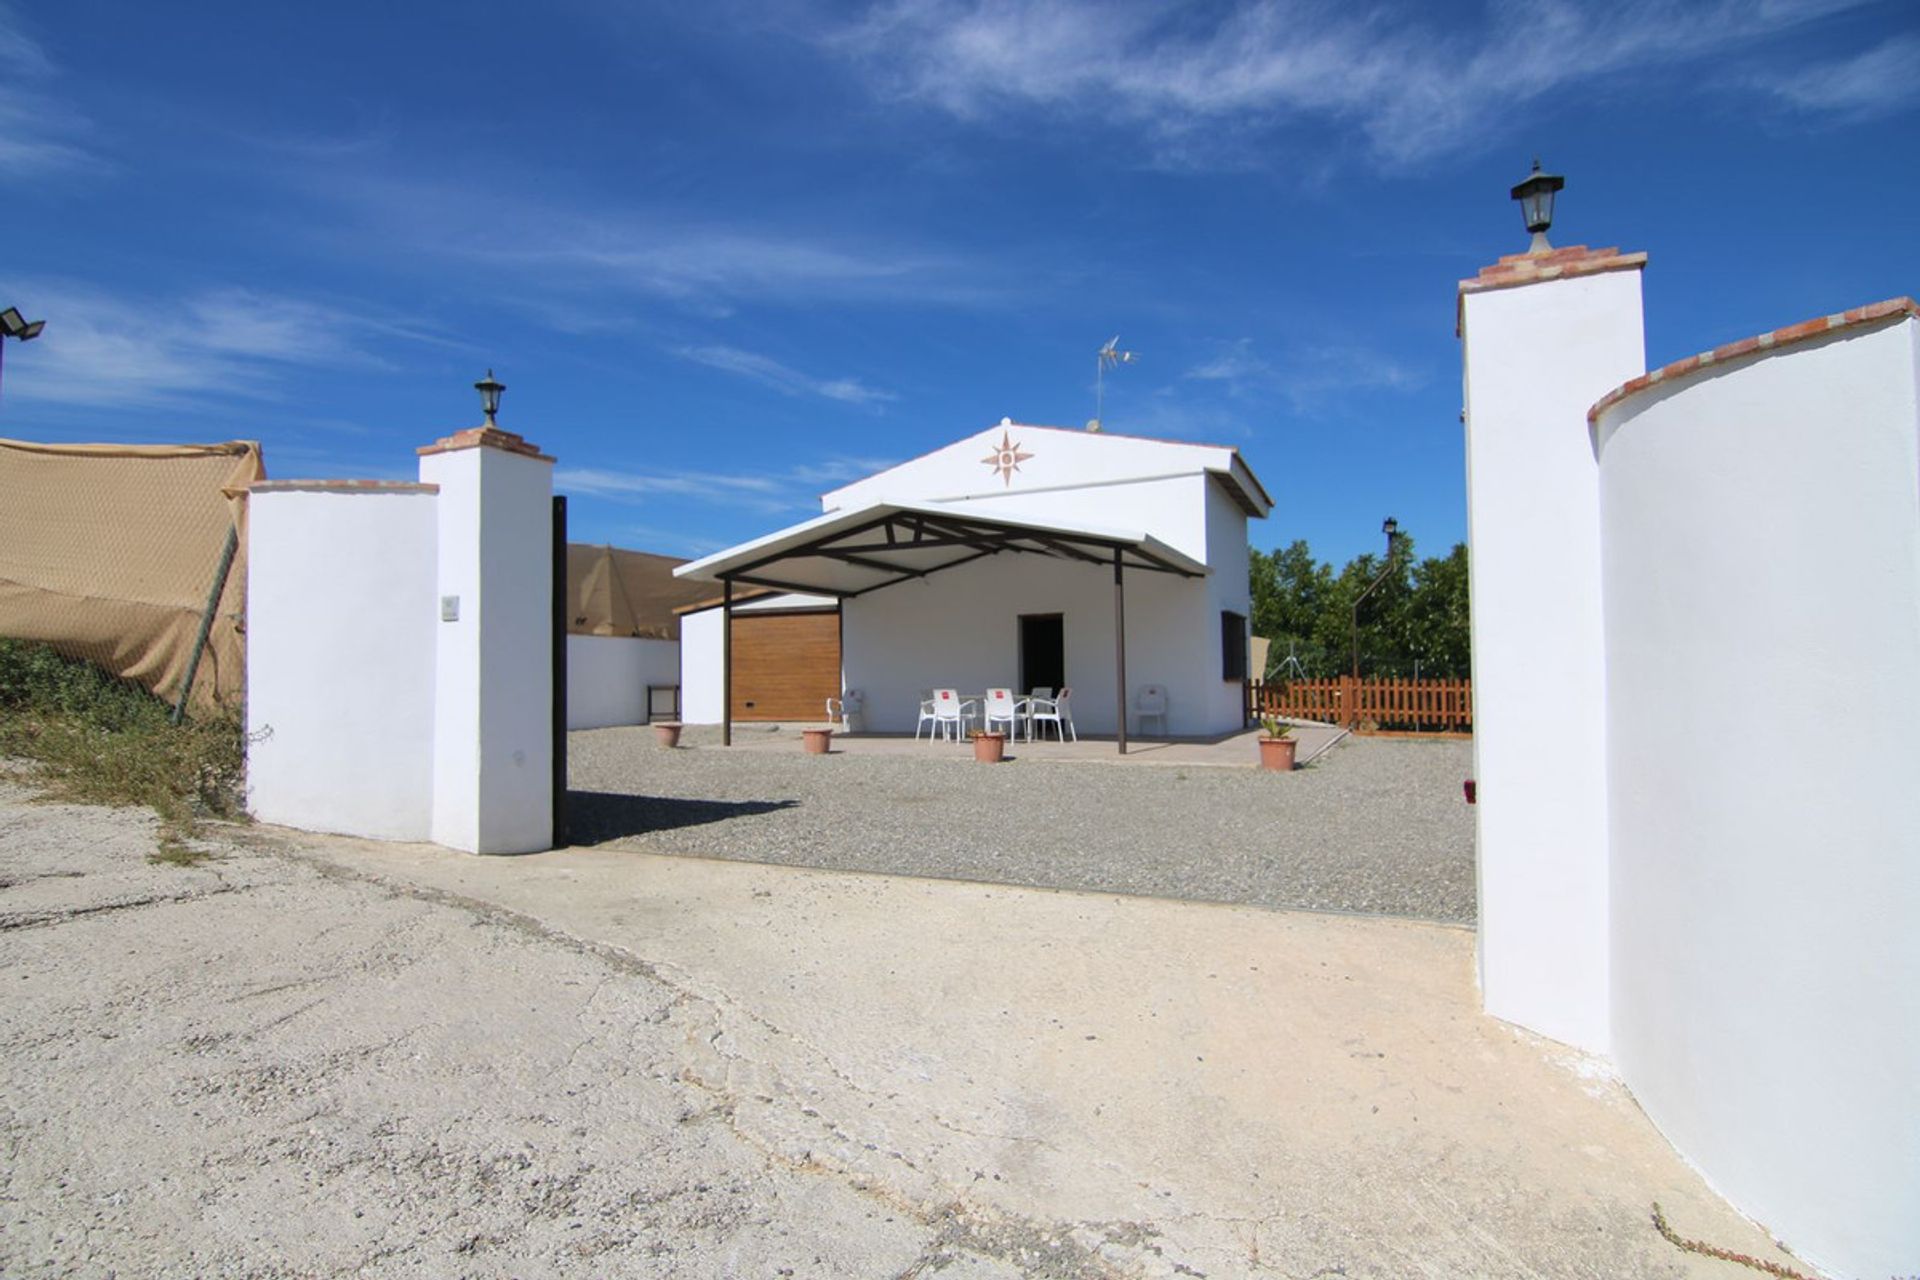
[(816, 741), (667, 733), (988, 748), (1276, 745)]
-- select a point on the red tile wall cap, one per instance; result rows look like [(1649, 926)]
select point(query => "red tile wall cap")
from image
[(1903, 307), (1533, 268), (340, 486), (484, 438)]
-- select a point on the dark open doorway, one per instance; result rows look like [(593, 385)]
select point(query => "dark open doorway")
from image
[(1043, 652)]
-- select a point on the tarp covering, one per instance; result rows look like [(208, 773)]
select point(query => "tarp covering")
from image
[(108, 553), (614, 592)]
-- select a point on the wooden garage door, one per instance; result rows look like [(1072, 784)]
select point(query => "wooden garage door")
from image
[(785, 665)]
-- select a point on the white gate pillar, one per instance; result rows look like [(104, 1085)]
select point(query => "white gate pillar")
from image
[(1543, 337), (493, 686)]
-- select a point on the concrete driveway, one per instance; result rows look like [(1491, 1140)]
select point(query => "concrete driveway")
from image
[(325, 1057)]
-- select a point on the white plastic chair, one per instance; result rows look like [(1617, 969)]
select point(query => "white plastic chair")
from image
[(1002, 708), (950, 713), (848, 708), (1151, 704), (1058, 711)]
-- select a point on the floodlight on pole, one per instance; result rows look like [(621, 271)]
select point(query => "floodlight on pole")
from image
[(18, 327), (1391, 528), (1110, 355)]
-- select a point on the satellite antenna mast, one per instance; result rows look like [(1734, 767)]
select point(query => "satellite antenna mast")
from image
[(1109, 355)]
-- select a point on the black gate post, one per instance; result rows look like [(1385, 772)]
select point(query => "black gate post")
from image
[(560, 606)]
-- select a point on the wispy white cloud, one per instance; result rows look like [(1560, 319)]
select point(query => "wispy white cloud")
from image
[(1409, 79), (834, 472), (788, 381), (557, 248), (767, 492), (1878, 82), (39, 132), (112, 350), (1308, 377)]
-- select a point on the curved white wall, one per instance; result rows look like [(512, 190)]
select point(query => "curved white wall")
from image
[(1761, 575)]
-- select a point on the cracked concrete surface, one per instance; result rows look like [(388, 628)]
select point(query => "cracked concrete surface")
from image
[(317, 1057)]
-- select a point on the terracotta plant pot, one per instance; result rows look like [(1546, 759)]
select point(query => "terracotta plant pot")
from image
[(1277, 753), (989, 748), (816, 741), (668, 734)]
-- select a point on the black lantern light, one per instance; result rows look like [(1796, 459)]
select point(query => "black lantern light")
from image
[(1536, 204), (1391, 528), (489, 396)]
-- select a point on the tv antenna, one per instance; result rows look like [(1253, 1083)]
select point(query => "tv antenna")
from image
[(1110, 356)]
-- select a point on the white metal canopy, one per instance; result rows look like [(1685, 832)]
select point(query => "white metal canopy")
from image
[(850, 553)]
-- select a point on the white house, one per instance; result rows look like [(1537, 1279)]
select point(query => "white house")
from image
[(1023, 556)]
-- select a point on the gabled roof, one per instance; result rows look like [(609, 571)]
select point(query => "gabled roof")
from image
[(864, 548), (1148, 456)]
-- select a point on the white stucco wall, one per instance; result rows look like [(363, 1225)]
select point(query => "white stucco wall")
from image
[(1536, 358), (960, 629), (607, 678), (1121, 482), (701, 671), (1762, 580), (1228, 588), (340, 643), (493, 783)]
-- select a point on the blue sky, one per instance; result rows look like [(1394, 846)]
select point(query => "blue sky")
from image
[(728, 256)]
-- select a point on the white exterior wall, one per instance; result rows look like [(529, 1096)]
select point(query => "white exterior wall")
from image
[(964, 625), (1145, 486), (1536, 357), (1229, 587), (701, 675), (1762, 578), (340, 609), (607, 678), (493, 783), (702, 670)]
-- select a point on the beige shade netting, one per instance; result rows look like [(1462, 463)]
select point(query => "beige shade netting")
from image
[(108, 553), (611, 592)]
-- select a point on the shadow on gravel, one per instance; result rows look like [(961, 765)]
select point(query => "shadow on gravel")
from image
[(595, 817)]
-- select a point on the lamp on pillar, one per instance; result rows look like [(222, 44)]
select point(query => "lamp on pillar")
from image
[(1536, 204), (489, 396)]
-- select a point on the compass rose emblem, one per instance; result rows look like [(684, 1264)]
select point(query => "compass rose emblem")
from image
[(1006, 458)]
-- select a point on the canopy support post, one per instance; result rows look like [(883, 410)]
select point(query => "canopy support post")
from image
[(1120, 647), (726, 664)]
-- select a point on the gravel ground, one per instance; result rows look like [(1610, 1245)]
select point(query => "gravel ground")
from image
[(1375, 825)]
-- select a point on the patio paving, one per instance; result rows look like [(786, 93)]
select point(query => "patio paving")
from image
[(1370, 826)]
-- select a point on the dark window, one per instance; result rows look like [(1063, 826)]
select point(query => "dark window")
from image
[(1233, 645)]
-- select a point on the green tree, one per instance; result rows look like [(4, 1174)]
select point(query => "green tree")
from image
[(1289, 590), (1413, 622)]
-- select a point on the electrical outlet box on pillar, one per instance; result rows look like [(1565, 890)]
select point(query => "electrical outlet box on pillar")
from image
[(493, 689), (1544, 334)]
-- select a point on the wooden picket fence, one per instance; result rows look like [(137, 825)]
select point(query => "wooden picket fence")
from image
[(1391, 705)]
